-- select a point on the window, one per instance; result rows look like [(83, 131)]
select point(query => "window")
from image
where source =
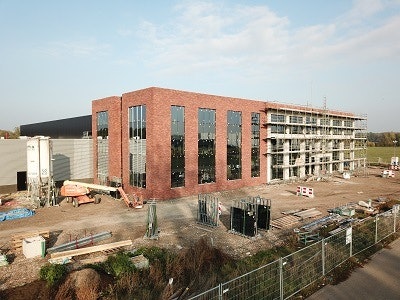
[(277, 128), (102, 124), (336, 122), (324, 122), (255, 144), (311, 120), (234, 145), (102, 147), (206, 145), (177, 146), (296, 120), (137, 146), (276, 166), (311, 130), (348, 123), (296, 130), (275, 118)]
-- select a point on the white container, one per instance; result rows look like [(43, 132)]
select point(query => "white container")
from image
[(34, 246)]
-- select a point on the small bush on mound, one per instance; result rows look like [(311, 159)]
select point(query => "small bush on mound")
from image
[(52, 274), (119, 265)]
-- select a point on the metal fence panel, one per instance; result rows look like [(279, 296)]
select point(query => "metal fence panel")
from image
[(384, 225), (301, 268), (262, 283), (287, 276), (212, 294), (336, 249), (363, 235)]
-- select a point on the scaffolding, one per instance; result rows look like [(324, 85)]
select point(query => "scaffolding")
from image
[(304, 142)]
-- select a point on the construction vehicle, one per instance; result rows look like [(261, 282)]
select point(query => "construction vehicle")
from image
[(79, 193)]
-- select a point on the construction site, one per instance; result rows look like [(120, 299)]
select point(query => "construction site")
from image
[(243, 181)]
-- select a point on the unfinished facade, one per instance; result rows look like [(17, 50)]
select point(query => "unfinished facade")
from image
[(164, 143)]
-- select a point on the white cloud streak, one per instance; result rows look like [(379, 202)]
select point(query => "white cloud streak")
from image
[(215, 36)]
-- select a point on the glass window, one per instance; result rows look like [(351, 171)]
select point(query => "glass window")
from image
[(296, 119), (275, 118), (348, 123), (102, 147), (311, 120), (324, 122), (206, 145), (137, 146), (234, 145), (277, 128), (337, 122), (255, 144), (102, 124), (177, 146)]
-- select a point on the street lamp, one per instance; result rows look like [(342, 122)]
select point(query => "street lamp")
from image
[(394, 148)]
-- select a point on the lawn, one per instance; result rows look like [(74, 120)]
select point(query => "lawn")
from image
[(381, 154)]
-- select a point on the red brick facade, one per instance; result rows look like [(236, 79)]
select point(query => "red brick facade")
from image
[(158, 140)]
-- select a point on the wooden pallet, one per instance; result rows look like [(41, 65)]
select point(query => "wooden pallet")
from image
[(16, 239), (285, 222)]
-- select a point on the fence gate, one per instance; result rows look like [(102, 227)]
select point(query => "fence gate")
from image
[(208, 211)]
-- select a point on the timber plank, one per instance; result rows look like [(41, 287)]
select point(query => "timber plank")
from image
[(81, 251)]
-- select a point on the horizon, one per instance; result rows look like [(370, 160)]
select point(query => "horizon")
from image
[(59, 56)]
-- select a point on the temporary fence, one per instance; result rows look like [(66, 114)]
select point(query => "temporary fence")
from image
[(152, 226), (209, 210), (249, 215), (288, 275)]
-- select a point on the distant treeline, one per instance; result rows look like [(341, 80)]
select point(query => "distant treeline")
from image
[(383, 139)]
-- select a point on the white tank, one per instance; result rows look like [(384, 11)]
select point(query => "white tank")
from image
[(45, 158), (39, 153), (33, 160)]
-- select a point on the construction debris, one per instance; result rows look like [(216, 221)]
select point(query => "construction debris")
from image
[(83, 242), (285, 222), (140, 262), (3, 260), (34, 246), (308, 213), (17, 213), (60, 256), (16, 239)]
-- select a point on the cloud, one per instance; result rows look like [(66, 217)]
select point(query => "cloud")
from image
[(208, 36)]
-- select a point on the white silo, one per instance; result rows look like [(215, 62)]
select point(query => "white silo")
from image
[(39, 169)]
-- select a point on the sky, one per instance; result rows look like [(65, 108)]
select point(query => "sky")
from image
[(58, 56)]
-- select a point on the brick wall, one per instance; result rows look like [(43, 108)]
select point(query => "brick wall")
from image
[(113, 106), (158, 179)]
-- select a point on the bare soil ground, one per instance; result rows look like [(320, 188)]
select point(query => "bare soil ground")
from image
[(176, 219)]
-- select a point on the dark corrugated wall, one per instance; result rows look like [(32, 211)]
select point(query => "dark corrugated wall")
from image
[(71, 128)]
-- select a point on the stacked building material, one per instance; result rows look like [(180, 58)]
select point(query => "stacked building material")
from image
[(86, 241)]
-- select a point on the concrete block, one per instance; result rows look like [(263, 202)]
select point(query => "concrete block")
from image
[(140, 262), (34, 246)]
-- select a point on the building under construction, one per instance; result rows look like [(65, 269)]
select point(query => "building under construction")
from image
[(164, 143)]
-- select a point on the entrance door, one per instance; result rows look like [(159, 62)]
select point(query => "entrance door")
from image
[(21, 181)]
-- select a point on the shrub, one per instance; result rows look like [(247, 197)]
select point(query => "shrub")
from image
[(52, 273), (119, 265)]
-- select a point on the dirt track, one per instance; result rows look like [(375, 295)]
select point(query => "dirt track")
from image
[(177, 219)]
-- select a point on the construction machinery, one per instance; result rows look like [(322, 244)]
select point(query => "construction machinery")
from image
[(80, 193)]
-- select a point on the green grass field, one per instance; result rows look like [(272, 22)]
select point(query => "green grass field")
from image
[(381, 154)]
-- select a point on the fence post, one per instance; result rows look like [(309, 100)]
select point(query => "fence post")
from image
[(220, 291), (281, 278), (376, 229), (323, 257)]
